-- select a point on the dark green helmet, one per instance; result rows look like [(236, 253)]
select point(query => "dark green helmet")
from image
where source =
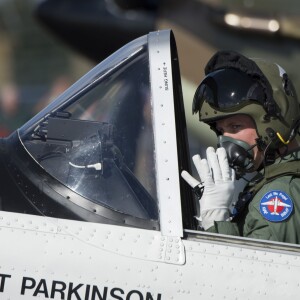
[(235, 84)]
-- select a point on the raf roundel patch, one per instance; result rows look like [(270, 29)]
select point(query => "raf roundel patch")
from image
[(276, 206)]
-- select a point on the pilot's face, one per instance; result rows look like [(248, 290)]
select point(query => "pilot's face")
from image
[(241, 127)]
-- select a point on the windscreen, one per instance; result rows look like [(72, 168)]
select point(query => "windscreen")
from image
[(97, 138)]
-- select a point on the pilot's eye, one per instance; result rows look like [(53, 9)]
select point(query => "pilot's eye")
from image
[(236, 126)]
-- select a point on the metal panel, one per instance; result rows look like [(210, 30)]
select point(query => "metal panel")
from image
[(165, 133), (47, 258), (220, 270)]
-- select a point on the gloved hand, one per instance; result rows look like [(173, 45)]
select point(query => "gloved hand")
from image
[(217, 178)]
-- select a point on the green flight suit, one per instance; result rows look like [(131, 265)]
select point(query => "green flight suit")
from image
[(283, 176)]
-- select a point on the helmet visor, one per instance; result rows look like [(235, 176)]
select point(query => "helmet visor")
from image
[(228, 90)]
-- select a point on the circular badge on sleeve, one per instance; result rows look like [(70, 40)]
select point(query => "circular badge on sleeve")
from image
[(276, 206)]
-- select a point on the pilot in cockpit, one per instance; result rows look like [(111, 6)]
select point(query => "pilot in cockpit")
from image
[(252, 106)]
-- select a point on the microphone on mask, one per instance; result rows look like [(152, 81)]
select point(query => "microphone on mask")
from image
[(239, 154)]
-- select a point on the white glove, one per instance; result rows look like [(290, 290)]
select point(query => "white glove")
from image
[(217, 178)]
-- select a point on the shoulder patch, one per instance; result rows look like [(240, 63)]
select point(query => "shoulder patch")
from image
[(276, 206)]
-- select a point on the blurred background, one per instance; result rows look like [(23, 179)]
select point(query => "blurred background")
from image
[(34, 65), (46, 45)]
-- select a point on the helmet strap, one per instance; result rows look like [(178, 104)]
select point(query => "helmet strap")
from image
[(269, 157), (269, 152)]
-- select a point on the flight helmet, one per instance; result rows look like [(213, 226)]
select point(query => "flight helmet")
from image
[(235, 84)]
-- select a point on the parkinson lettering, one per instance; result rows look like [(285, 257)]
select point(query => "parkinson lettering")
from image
[(57, 289)]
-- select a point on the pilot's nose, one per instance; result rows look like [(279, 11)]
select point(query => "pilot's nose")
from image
[(228, 134)]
